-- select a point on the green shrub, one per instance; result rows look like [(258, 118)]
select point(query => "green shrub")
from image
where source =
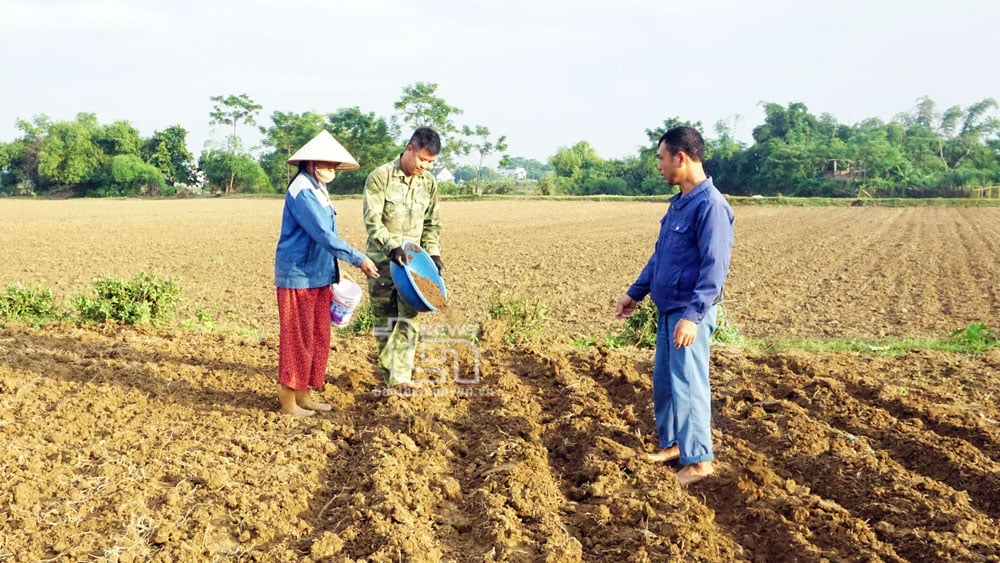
[(133, 176), (977, 336), (147, 298), (363, 320), (30, 304), (640, 328), (726, 331), (241, 170), (524, 318), (202, 320)]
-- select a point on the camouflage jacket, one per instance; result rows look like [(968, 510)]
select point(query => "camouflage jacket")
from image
[(396, 211)]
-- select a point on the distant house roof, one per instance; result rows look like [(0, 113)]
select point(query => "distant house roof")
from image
[(445, 175), (520, 173)]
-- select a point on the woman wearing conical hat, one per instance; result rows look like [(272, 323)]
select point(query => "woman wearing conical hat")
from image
[(305, 264)]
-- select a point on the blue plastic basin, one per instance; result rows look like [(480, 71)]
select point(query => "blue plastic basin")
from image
[(422, 265)]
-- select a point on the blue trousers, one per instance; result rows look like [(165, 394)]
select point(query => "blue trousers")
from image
[(682, 396)]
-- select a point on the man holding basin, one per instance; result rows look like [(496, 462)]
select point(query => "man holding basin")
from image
[(684, 277), (400, 205)]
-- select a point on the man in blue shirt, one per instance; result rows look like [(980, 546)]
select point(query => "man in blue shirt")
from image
[(684, 277)]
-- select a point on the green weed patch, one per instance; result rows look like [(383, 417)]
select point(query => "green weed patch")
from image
[(523, 317), (31, 305), (147, 298)]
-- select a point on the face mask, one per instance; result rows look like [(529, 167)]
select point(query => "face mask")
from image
[(325, 175)]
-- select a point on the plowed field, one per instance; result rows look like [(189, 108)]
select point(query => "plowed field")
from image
[(137, 444)]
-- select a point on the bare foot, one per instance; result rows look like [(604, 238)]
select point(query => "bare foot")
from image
[(296, 410), (289, 402), (303, 400), (695, 472), (405, 388), (313, 405), (666, 454)]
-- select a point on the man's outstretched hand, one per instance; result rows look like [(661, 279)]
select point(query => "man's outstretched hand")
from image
[(626, 307)]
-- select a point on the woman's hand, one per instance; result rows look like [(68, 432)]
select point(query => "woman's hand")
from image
[(369, 268)]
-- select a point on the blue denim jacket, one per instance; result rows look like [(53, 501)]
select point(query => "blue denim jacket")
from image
[(691, 259), (309, 246)]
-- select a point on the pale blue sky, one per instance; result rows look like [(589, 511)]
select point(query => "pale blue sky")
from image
[(544, 73)]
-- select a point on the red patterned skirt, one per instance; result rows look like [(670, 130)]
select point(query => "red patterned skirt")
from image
[(304, 336)]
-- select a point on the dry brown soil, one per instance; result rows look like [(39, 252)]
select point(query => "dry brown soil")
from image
[(138, 444)]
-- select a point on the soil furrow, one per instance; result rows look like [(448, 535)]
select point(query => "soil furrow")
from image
[(772, 516), (805, 443)]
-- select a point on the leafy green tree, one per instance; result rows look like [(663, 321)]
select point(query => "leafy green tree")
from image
[(118, 138), (580, 170), (167, 151), (368, 138), (22, 176), (792, 149), (725, 159), (288, 132), (977, 124), (240, 173), (134, 177), (633, 175), (233, 111), (780, 122), (602, 184), (420, 106), (68, 156), (575, 162), (465, 173), (951, 148), (8, 152), (882, 163), (724, 146), (483, 146)]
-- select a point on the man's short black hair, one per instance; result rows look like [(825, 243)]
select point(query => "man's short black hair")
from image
[(426, 138), (685, 139)]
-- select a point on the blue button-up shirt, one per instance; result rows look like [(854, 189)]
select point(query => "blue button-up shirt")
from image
[(691, 259)]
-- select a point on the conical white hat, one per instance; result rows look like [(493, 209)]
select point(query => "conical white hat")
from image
[(324, 148)]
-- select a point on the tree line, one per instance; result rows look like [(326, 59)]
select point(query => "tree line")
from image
[(920, 153)]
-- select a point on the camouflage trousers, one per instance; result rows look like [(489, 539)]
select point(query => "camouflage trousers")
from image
[(396, 328)]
